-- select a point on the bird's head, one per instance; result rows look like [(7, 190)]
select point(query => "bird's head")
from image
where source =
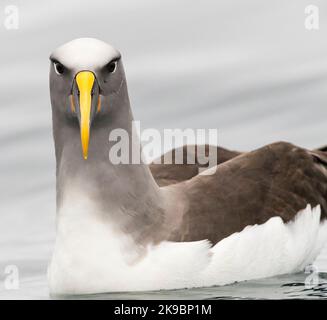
[(84, 74)]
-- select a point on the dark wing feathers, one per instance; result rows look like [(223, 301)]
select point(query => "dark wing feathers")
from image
[(323, 149), (167, 174), (277, 180)]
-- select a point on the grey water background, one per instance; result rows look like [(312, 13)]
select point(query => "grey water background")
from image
[(249, 68)]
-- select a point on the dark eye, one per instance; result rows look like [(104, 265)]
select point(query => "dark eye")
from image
[(111, 67), (59, 68)]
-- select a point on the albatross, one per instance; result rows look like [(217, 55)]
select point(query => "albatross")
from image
[(121, 227)]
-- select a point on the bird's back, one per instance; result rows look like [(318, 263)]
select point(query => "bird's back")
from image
[(277, 180)]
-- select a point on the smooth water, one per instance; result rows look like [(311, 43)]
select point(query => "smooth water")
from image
[(295, 286), (249, 68)]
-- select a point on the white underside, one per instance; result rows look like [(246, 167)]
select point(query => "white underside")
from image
[(89, 257)]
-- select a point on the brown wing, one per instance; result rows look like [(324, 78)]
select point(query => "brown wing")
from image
[(166, 174), (277, 180), (323, 149)]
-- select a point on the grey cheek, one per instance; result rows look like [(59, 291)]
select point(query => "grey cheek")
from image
[(114, 83)]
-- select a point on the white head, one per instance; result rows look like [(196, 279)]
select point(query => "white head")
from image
[(85, 54), (86, 77)]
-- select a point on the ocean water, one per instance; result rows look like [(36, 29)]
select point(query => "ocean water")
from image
[(249, 68), (295, 286)]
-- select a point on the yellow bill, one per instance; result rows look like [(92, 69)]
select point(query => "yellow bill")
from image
[(85, 81)]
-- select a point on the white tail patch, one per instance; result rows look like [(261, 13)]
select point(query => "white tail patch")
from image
[(96, 259)]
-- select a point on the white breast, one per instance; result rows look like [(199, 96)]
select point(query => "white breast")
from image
[(91, 257)]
